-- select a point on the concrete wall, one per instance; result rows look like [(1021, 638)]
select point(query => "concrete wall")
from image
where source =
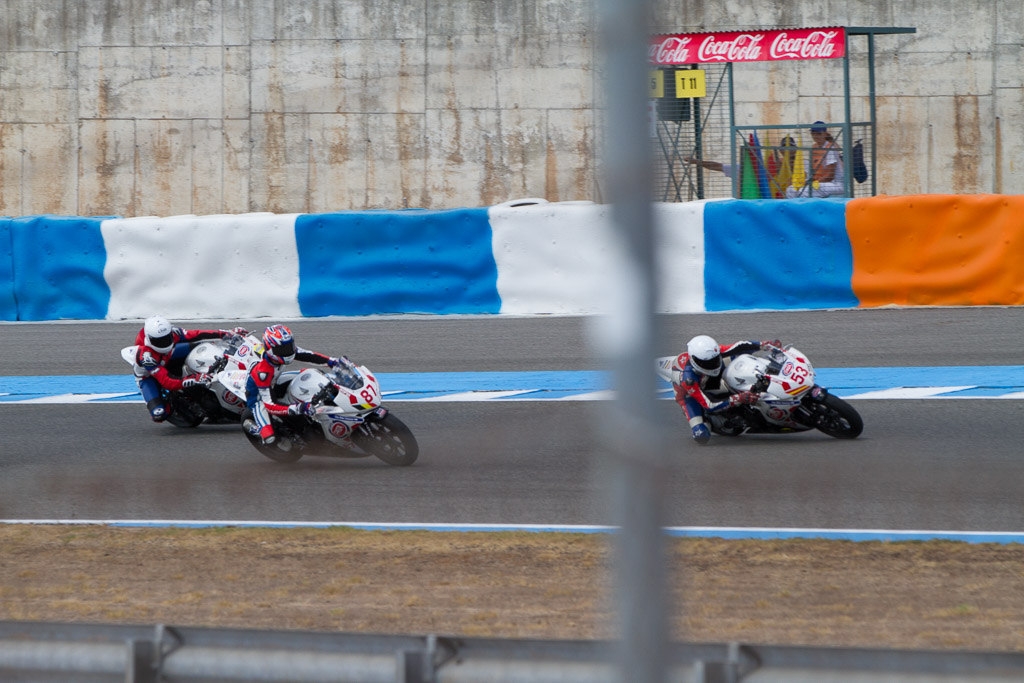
[(950, 97), (168, 107)]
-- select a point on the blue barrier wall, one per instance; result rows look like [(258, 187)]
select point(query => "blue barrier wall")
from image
[(771, 254), (8, 306), (362, 263), (58, 268)]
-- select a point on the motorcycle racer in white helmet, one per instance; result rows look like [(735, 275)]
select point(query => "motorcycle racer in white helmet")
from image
[(698, 383), (160, 358)]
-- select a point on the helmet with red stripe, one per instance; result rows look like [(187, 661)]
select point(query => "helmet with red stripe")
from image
[(279, 345)]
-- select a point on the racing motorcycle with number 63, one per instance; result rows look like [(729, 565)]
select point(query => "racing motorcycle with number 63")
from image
[(788, 400)]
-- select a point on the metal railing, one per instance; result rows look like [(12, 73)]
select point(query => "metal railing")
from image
[(31, 651)]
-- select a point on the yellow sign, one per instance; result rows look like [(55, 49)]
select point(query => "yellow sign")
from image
[(656, 83), (690, 83)]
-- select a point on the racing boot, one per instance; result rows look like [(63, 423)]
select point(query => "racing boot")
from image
[(157, 410), (701, 434), (267, 435)]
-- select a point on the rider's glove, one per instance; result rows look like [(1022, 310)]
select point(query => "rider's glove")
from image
[(235, 331), (335, 362), (306, 409), (772, 342), (196, 381), (744, 398)]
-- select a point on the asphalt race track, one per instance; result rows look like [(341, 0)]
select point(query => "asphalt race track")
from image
[(920, 464)]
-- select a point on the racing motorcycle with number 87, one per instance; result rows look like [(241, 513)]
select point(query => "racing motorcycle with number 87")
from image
[(348, 420)]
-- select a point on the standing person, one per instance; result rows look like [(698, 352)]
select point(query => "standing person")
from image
[(160, 357), (278, 349), (826, 167), (697, 380)]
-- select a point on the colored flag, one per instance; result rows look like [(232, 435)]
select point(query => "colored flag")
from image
[(762, 172), (799, 172)]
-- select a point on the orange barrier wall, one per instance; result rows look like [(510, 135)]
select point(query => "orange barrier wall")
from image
[(937, 250)]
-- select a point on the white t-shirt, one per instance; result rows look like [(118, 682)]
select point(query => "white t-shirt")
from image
[(832, 157)]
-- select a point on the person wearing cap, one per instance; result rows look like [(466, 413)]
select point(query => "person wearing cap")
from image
[(825, 176)]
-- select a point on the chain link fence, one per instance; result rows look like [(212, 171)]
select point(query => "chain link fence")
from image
[(683, 127), (810, 160), (699, 154)]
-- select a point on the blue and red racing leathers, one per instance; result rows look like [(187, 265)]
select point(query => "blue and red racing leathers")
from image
[(151, 367), (699, 394), (258, 396)]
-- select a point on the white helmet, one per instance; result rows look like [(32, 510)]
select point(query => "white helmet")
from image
[(705, 355), (159, 334)]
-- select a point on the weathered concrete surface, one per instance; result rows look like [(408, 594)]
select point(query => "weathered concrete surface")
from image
[(163, 107)]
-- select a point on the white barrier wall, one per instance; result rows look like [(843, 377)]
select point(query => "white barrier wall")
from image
[(565, 258), (187, 267)]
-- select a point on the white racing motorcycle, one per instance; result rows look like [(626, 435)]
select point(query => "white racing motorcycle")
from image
[(212, 403), (350, 421), (789, 400)]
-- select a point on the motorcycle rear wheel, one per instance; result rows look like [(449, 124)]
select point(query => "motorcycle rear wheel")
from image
[(839, 419), (389, 440), (272, 451)]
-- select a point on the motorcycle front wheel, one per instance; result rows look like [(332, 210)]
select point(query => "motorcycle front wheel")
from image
[(274, 450), (389, 440), (838, 419)]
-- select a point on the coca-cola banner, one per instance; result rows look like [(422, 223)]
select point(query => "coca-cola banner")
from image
[(748, 46)]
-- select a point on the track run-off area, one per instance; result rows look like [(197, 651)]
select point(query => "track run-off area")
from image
[(511, 419)]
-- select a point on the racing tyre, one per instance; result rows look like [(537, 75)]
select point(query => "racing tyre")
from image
[(273, 451), (389, 440), (838, 419)]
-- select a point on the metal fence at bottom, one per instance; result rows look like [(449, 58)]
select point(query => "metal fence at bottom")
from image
[(31, 651)]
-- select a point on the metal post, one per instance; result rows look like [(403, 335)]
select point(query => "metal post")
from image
[(847, 142), (874, 126), (732, 135), (698, 136), (638, 466)]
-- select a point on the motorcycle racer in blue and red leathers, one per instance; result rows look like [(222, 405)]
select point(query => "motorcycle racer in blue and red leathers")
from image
[(161, 351), (278, 349), (698, 381)]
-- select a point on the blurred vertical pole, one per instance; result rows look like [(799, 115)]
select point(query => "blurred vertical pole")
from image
[(630, 332)]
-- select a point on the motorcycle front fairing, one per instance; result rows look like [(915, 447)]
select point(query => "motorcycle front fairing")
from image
[(780, 377)]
